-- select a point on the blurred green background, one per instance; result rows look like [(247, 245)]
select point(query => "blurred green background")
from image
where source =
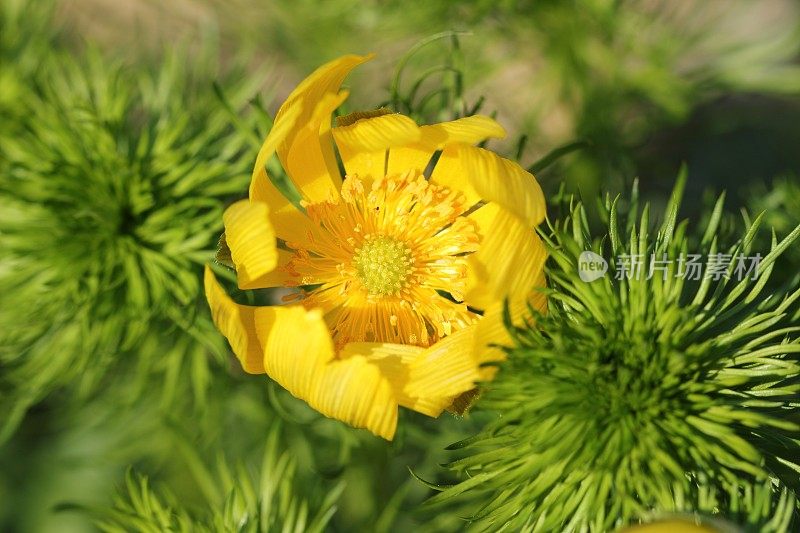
[(126, 126), (648, 83)]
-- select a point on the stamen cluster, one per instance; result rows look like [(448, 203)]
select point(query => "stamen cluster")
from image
[(387, 260), (383, 264)]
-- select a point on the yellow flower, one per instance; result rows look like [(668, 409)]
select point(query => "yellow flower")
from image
[(401, 280)]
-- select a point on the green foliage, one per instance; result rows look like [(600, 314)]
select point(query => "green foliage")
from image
[(26, 38), (239, 503), (780, 203), (436, 94), (623, 68), (112, 180), (639, 397), (111, 197)]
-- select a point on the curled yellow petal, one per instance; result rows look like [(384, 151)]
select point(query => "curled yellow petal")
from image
[(280, 276), (236, 322), (394, 362), (446, 369), (491, 333), (675, 525), (316, 176), (363, 144), (356, 392), (288, 222), (467, 130), (261, 187), (310, 161), (299, 355), (296, 344), (251, 240), (293, 346), (451, 172), (377, 133), (510, 260), (484, 175), (433, 137)]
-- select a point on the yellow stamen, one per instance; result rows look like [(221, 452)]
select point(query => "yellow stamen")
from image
[(387, 260), (383, 264)]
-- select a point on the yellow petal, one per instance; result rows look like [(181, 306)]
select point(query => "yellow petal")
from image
[(299, 355), (394, 362), (446, 369), (279, 277), (311, 161), (296, 343), (317, 177), (377, 133), (538, 298), (452, 172), (415, 156), (237, 324), (509, 262), (469, 130), (482, 174), (287, 221), (676, 525), (251, 240), (363, 144), (355, 392), (261, 187), (491, 332)]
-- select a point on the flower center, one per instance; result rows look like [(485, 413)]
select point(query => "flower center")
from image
[(386, 261), (383, 264)]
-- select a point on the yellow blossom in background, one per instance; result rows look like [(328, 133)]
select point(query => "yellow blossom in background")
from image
[(400, 280), (675, 525)]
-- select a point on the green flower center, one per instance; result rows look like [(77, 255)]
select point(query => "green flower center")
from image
[(383, 264)]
